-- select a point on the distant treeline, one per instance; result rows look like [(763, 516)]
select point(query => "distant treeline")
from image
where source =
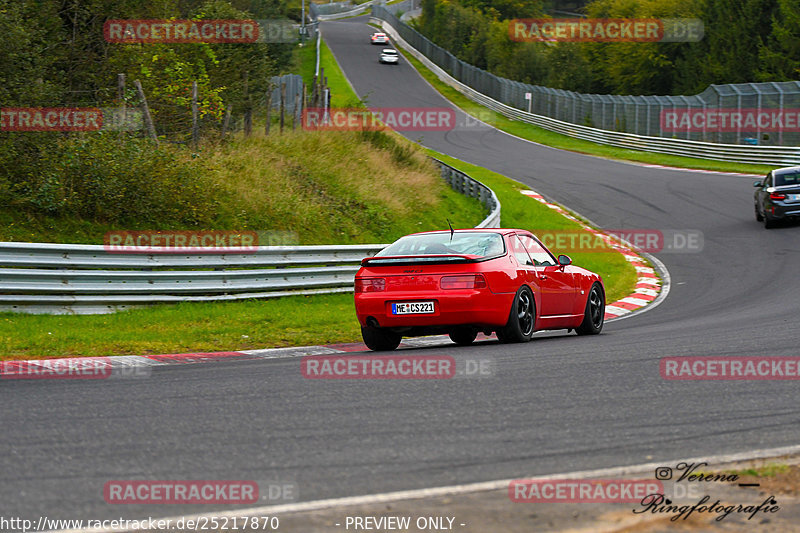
[(744, 41)]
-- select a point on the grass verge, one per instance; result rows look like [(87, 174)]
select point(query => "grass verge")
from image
[(556, 140), (185, 327)]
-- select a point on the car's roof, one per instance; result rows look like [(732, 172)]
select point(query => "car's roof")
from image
[(502, 231), (378, 33), (389, 51), (785, 170)]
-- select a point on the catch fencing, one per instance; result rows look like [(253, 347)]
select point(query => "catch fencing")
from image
[(92, 279), (652, 123)]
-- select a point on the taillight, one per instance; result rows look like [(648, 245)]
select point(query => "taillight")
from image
[(467, 281), (777, 196), (370, 284)]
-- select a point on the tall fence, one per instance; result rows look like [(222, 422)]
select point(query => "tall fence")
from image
[(92, 279), (747, 113), (294, 92)]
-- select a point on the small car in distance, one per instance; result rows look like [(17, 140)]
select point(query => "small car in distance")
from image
[(379, 38), (462, 282), (390, 56), (777, 197)]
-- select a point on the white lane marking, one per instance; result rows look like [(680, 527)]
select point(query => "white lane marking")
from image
[(648, 292), (634, 301), (482, 486), (292, 351), (611, 309)]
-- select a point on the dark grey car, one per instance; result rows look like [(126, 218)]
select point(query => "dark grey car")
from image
[(778, 196)]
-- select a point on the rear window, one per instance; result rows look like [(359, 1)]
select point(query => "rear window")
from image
[(463, 243), (789, 178)]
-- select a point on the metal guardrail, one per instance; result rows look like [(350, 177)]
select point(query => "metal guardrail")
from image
[(467, 186), (768, 155), (362, 8), (90, 279)]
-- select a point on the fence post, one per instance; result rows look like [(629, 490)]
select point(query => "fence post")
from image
[(269, 110), (195, 128), (226, 122), (148, 120), (121, 98), (283, 103), (248, 109)]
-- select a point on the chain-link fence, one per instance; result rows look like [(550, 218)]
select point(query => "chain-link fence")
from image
[(330, 9), (294, 92), (745, 113)]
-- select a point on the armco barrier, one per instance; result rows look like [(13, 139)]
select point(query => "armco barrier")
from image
[(89, 279), (768, 155)]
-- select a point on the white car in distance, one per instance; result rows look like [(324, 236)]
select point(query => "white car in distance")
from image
[(389, 56), (379, 38)]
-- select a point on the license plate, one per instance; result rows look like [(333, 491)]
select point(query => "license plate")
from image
[(793, 197), (412, 308)]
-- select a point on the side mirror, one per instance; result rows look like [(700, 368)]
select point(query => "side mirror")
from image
[(564, 260), (758, 184)]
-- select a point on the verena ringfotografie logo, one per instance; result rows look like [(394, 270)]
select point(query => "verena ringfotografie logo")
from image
[(378, 367), (606, 30), (124, 241), (67, 368), (180, 492), (730, 368), (730, 120), (396, 118), (582, 490), (609, 240), (199, 31)]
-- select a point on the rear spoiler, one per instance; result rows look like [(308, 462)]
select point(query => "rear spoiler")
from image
[(427, 259), (416, 259)]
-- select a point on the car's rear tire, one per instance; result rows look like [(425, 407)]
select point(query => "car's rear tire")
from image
[(463, 336), (769, 223), (521, 318), (594, 314), (380, 339), (759, 216)]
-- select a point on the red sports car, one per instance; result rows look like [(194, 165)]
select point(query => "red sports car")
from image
[(465, 281)]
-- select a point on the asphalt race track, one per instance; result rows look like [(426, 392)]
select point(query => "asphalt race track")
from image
[(558, 404)]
